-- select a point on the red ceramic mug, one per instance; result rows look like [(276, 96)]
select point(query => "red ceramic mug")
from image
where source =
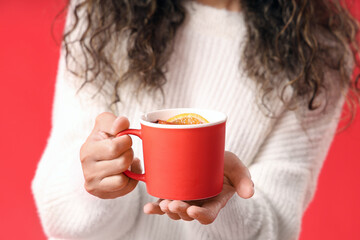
[(182, 162)]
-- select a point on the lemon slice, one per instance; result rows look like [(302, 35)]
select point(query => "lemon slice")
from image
[(187, 119)]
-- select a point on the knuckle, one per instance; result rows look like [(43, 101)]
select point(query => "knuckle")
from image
[(126, 141), (88, 176), (121, 183), (128, 156), (120, 166), (84, 158), (113, 149), (83, 148), (122, 147), (90, 188), (125, 120)]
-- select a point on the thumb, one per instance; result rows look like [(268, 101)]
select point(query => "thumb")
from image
[(120, 123), (239, 176), (244, 187)]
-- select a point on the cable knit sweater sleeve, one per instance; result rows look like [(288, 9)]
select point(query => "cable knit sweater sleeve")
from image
[(66, 210), (285, 172)]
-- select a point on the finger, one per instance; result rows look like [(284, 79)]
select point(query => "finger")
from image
[(239, 176), (173, 216), (119, 182), (136, 166), (164, 207), (153, 208), (163, 204), (185, 217), (115, 166), (106, 149), (108, 187), (203, 215), (208, 212), (120, 124), (245, 188), (177, 206), (110, 124), (107, 193), (110, 195), (113, 183), (180, 208)]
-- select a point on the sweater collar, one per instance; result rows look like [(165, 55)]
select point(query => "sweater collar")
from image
[(214, 21)]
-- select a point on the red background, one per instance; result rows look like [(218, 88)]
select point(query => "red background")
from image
[(28, 63)]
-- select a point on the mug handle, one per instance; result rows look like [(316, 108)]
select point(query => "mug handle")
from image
[(136, 176)]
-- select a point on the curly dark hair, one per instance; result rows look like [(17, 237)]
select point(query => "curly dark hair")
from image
[(283, 37)]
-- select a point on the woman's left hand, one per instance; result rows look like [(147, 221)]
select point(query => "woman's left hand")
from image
[(236, 179)]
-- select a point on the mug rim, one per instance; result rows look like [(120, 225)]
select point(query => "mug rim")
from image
[(190, 110)]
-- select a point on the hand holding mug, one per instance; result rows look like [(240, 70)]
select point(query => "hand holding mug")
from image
[(192, 159), (104, 158), (236, 179)]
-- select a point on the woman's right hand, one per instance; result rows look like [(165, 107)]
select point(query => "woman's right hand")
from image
[(105, 157)]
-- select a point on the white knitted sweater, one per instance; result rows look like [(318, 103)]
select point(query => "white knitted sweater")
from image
[(283, 155)]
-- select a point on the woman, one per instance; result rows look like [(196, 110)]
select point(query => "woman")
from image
[(278, 69)]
